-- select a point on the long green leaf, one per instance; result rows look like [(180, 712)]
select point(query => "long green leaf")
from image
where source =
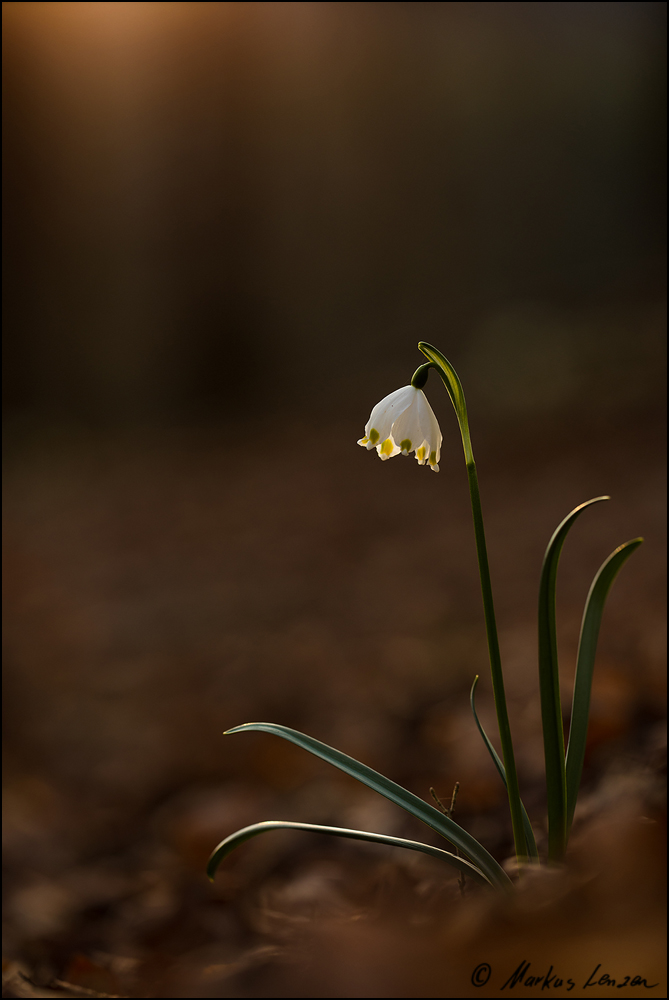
[(587, 647), (549, 683), (529, 832), (441, 824), (235, 839)]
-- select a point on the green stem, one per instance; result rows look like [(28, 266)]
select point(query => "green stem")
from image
[(496, 668), (449, 377)]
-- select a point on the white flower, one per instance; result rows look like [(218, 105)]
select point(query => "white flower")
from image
[(404, 422)]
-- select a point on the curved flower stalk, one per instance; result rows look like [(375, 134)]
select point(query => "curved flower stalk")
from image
[(401, 423), (386, 420)]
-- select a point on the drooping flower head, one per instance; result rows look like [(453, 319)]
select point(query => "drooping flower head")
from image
[(404, 422)]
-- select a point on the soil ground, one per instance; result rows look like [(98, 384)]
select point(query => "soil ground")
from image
[(164, 587)]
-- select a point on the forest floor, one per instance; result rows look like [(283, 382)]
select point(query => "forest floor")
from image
[(165, 587)]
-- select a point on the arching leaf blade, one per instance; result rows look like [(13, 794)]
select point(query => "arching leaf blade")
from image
[(441, 824), (529, 832), (238, 838), (585, 664), (549, 683)]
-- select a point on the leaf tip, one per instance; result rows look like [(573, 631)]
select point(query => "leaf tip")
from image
[(240, 729), (632, 545)]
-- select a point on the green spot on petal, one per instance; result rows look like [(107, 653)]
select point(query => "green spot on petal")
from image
[(405, 445), (373, 436)]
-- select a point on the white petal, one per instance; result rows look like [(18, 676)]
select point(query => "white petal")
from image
[(429, 426), (386, 412), (407, 430), (422, 452), (387, 449)]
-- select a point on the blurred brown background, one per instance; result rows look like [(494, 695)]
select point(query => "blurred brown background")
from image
[(226, 227)]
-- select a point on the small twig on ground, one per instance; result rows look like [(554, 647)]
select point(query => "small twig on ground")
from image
[(448, 811)]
